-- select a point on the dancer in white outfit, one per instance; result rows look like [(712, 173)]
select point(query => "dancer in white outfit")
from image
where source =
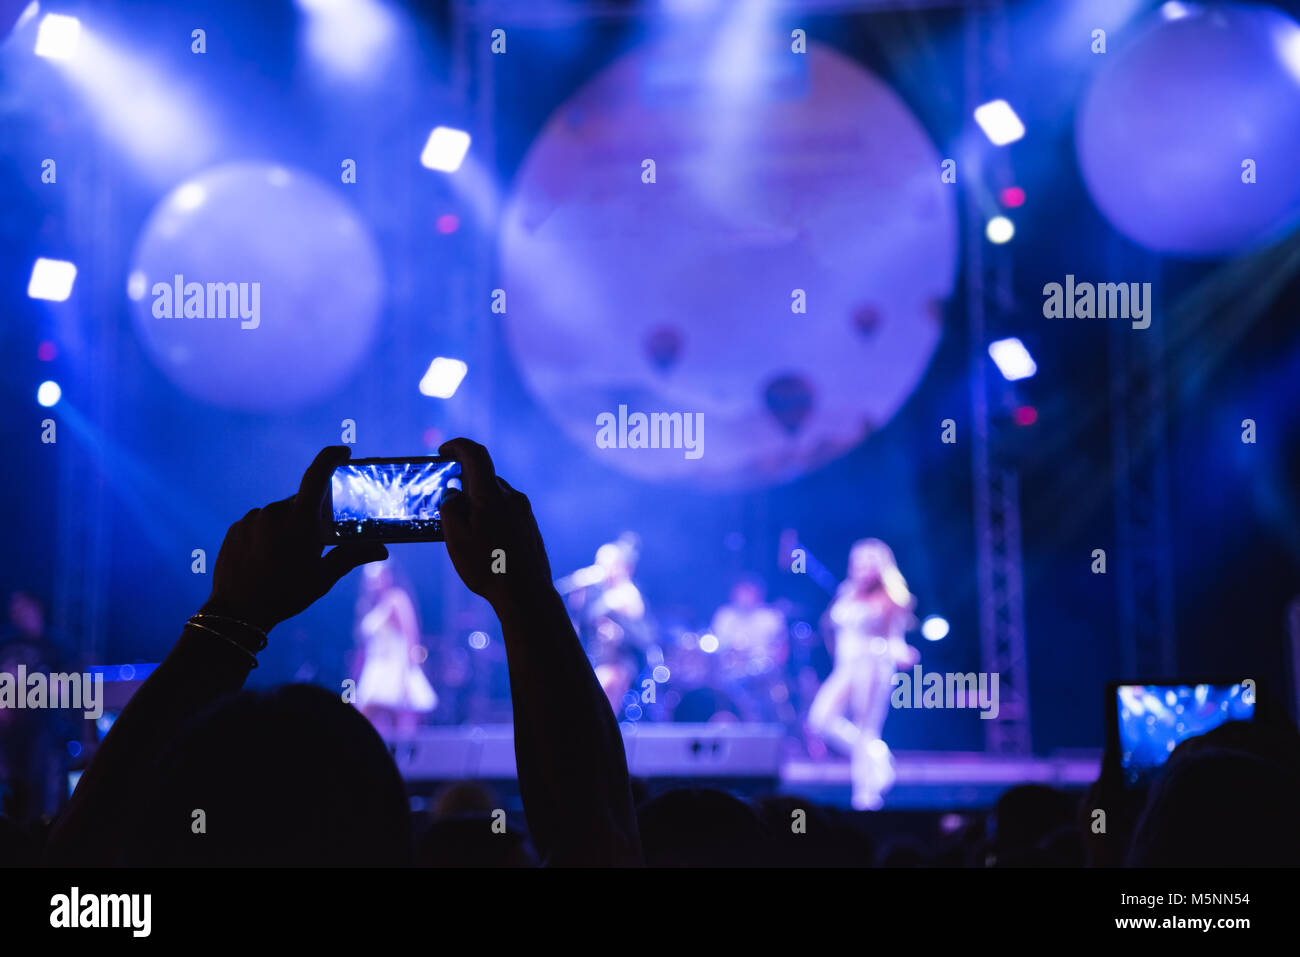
[(871, 612), (392, 690)]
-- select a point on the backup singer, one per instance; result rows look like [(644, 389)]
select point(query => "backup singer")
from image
[(392, 690)]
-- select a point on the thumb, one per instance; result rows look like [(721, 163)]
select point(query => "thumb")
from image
[(341, 560), (454, 510)]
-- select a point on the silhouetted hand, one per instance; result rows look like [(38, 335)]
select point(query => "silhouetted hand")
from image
[(270, 566), (492, 537)]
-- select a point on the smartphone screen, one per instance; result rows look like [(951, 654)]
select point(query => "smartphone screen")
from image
[(1153, 719), (389, 500)]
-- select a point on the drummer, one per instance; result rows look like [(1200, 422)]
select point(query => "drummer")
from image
[(751, 640)]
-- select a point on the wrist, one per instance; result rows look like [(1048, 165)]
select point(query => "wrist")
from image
[(245, 623), (527, 604)]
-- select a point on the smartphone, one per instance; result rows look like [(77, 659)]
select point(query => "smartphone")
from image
[(388, 500), (1147, 720)]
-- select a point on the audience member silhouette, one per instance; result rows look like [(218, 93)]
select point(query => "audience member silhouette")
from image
[(189, 725), (197, 771)]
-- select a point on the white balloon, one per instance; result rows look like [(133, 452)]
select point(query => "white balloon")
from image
[(294, 249), (681, 294), (1170, 119)]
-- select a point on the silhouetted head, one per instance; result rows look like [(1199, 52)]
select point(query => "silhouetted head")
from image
[(1025, 815), (288, 777), (473, 840), (17, 847), (464, 797), (701, 827), (1213, 807), (801, 833)]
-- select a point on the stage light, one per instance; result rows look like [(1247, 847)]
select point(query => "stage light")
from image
[(48, 394), (153, 117), (1026, 415), (934, 628), (448, 223), (57, 37), (1013, 359), (350, 37), (1000, 230), (47, 351), (445, 149), (999, 122), (443, 378), (708, 643), (1173, 10), (478, 640), (51, 279), (1013, 196)]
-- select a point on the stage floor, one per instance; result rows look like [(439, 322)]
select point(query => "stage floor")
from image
[(950, 780), (753, 758)]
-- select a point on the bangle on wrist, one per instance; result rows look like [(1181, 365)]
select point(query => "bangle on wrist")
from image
[(212, 631), (261, 635)]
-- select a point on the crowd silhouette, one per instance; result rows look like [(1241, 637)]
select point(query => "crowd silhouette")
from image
[(198, 771)]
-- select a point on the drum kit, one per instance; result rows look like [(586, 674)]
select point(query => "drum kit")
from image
[(691, 674)]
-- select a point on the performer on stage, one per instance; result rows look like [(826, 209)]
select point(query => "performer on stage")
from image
[(611, 616), (871, 612), (392, 690), (753, 645)]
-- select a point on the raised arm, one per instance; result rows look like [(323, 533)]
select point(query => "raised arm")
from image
[(572, 769), (270, 568)]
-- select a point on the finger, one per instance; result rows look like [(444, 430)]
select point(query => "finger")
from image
[(339, 561), (478, 476), (249, 516), (238, 531), (316, 479), (454, 512)]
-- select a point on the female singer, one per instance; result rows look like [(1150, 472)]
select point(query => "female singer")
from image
[(392, 690), (871, 612)]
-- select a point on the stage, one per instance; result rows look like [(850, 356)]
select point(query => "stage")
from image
[(749, 758)]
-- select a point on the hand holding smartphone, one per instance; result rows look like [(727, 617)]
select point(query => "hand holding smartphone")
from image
[(1146, 720), (388, 499)]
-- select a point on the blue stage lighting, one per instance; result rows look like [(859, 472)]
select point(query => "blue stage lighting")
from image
[(934, 628), (48, 393), (445, 149), (1013, 359), (443, 378), (57, 37), (999, 122), (51, 279), (999, 230)]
